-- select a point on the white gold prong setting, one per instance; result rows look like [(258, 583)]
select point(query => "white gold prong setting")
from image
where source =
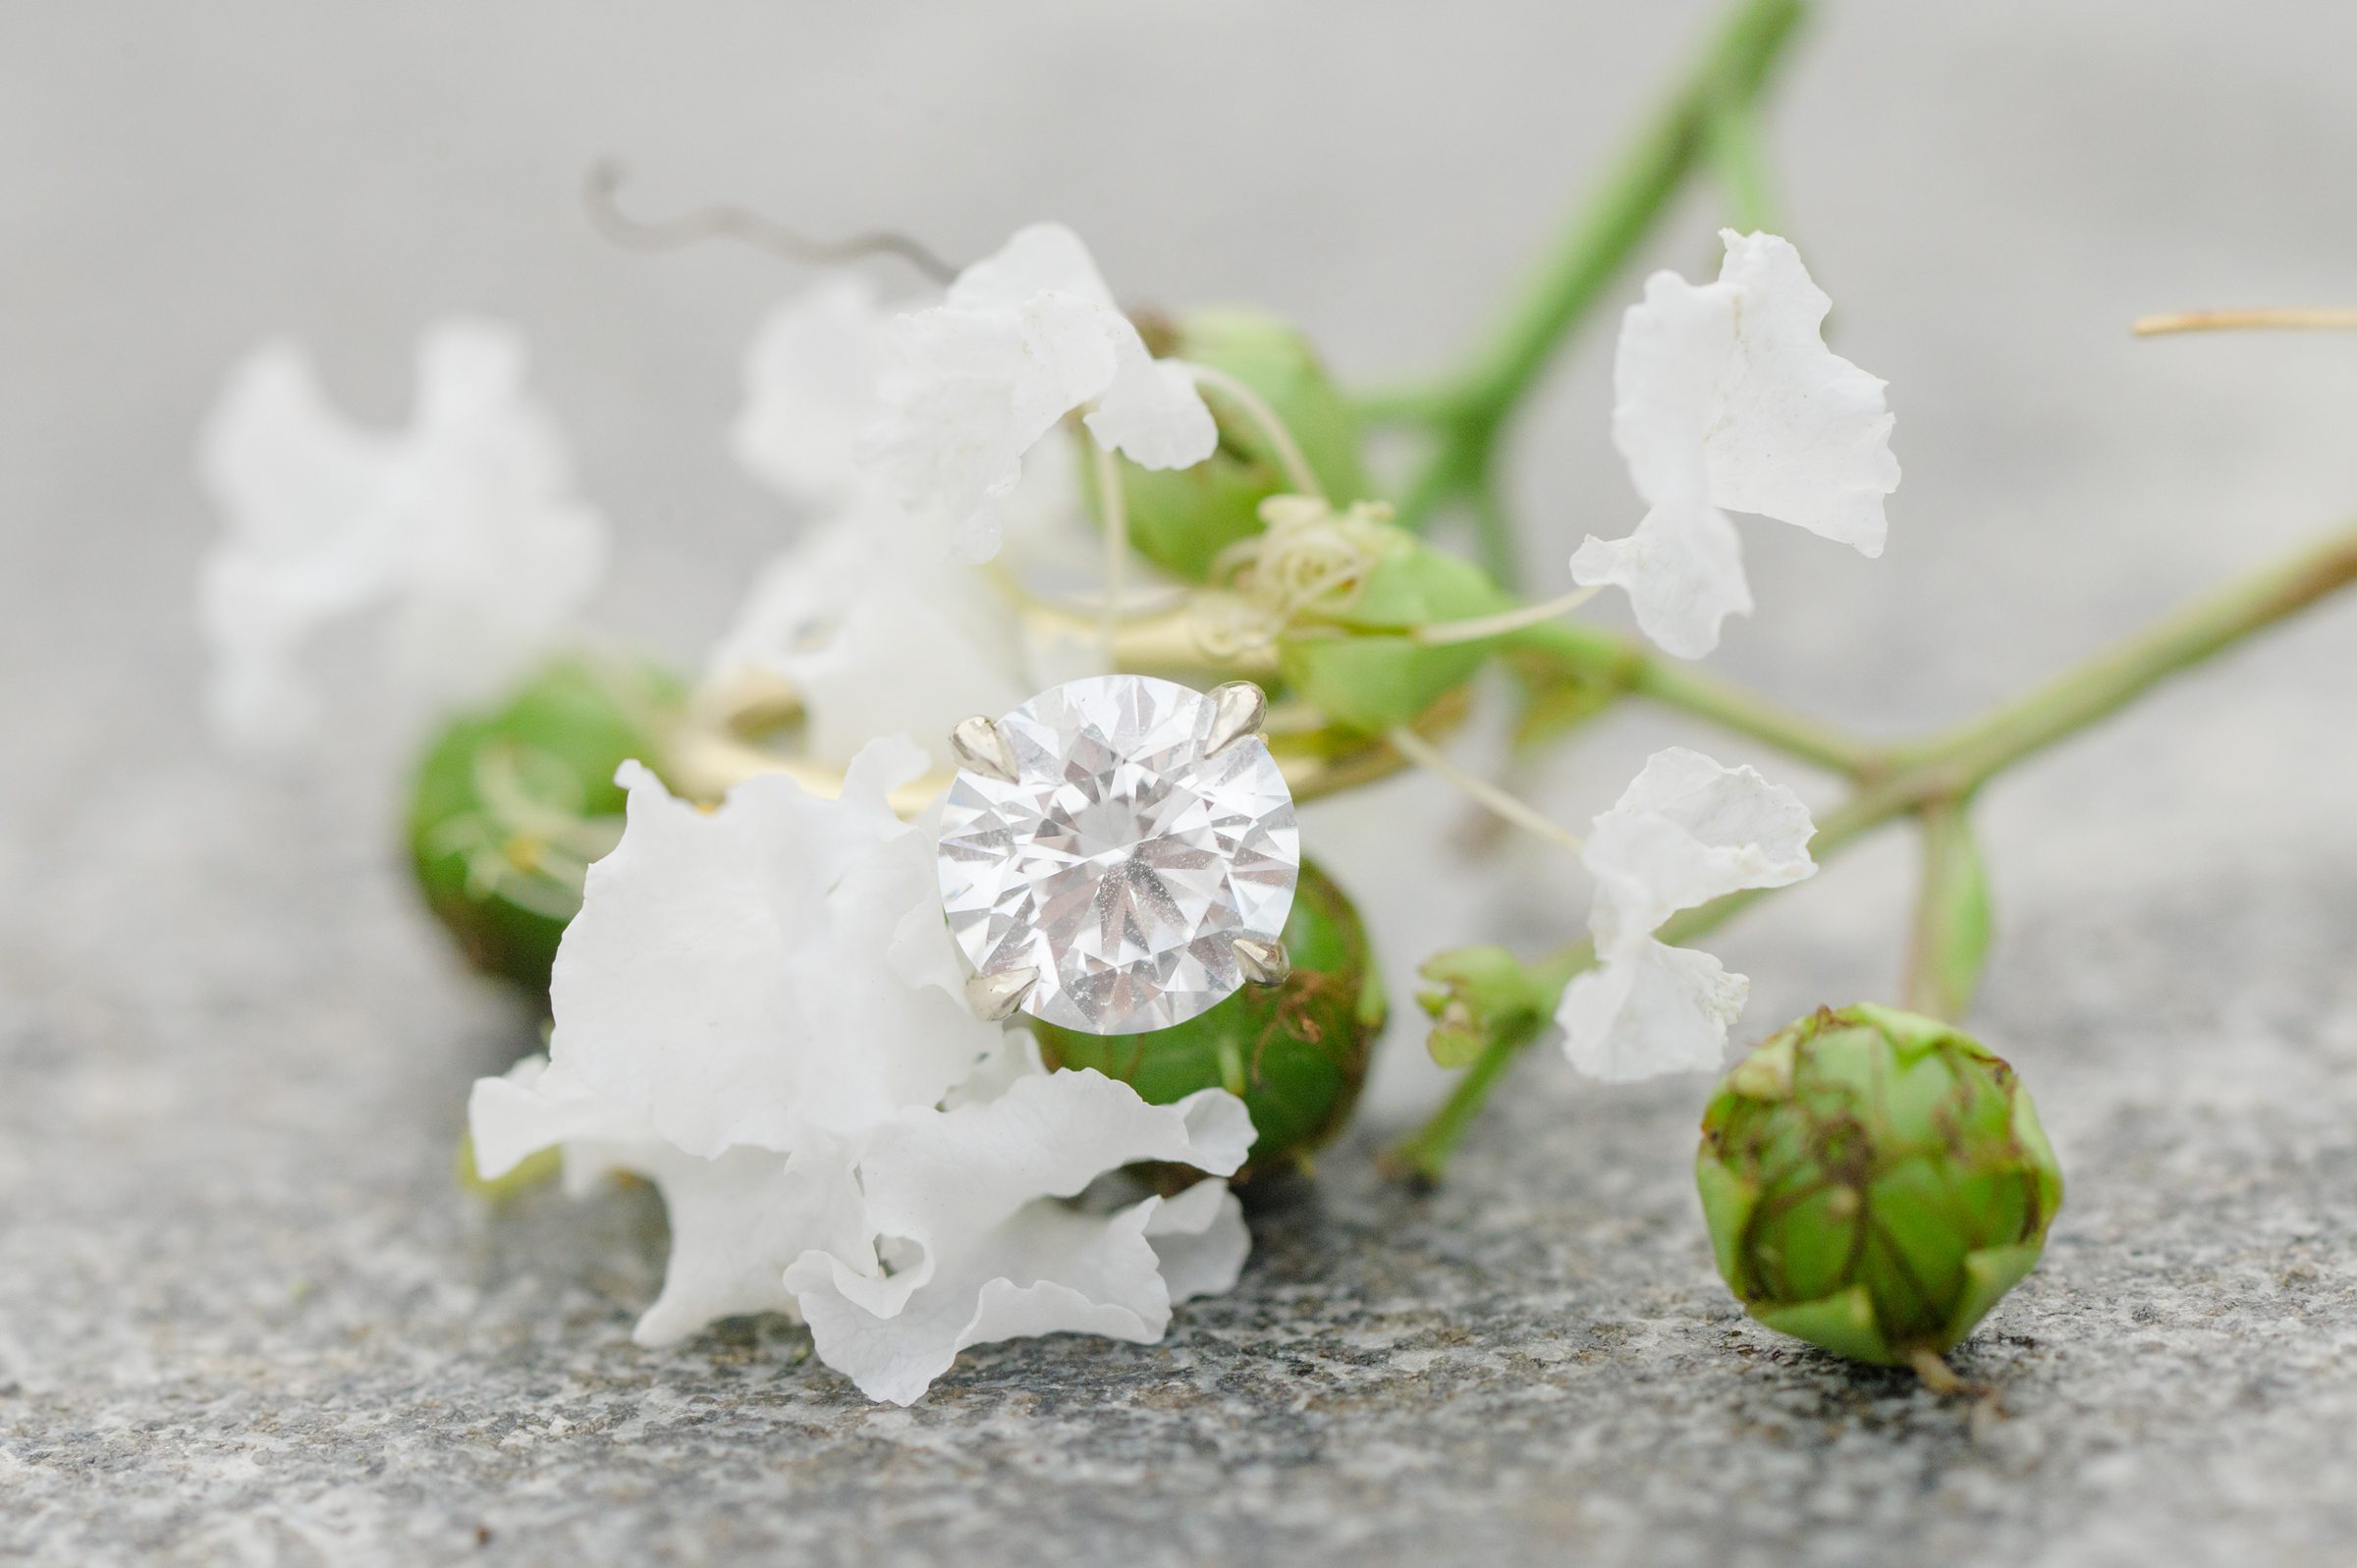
[(1263, 963), (995, 997), (981, 747), (1239, 709)]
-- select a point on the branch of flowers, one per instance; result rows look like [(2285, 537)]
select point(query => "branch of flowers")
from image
[(1940, 773), (1423, 1157), (1471, 410)]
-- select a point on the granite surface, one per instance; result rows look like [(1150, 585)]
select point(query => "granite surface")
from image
[(246, 1316)]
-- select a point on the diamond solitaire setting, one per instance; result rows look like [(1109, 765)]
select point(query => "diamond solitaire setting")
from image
[(1118, 854)]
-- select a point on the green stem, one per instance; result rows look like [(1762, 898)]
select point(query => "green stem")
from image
[(1933, 778), (1950, 941), (1740, 159), (1494, 536), (1470, 412), (1597, 657), (2111, 681)]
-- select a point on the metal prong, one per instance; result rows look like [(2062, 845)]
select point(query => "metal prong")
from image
[(996, 997), (981, 747), (1239, 706), (1264, 964)]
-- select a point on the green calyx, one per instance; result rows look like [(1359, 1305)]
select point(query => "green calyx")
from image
[(1182, 518), (1295, 1052), (1874, 1181), (509, 806), (1357, 659)]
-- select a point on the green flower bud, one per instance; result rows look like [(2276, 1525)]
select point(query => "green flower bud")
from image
[(1874, 1181), (1295, 1052), (1478, 994), (1181, 519), (511, 805)]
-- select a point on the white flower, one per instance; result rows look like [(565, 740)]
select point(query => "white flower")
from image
[(756, 1010), (974, 1245), (1726, 397), (464, 529), (878, 641), (811, 382), (1023, 337), (1685, 832)]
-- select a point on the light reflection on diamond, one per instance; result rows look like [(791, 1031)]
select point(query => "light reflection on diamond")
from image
[(1122, 863)]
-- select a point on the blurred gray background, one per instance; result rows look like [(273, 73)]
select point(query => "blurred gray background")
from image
[(245, 1314)]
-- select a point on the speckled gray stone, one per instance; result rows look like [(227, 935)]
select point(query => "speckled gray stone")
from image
[(246, 1316)]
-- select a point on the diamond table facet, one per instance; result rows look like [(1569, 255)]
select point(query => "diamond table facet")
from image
[(1124, 859)]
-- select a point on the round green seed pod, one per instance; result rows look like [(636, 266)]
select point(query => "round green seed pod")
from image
[(1295, 1052), (508, 807), (1874, 1181), (1182, 518)]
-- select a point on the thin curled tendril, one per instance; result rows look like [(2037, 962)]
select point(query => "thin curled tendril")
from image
[(743, 226), (1308, 561)]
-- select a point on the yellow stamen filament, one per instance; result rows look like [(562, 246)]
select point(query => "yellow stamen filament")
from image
[(2287, 318), (1424, 754), (1482, 628)]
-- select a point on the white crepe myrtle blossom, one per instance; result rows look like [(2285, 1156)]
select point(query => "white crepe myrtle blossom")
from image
[(877, 629), (1685, 832), (875, 645), (1023, 337), (756, 1009), (877, 641), (462, 531), (1725, 398)]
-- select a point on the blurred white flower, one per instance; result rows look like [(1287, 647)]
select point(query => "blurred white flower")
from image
[(756, 1009), (875, 626), (881, 641), (810, 388), (1685, 832), (463, 530), (1023, 337), (1726, 397)]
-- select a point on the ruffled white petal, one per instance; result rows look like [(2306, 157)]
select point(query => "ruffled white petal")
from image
[(1023, 337), (810, 390), (1200, 1240), (1650, 1009), (733, 971), (1726, 397), (1801, 435), (1682, 571), (462, 529), (975, 1246), (1686, 831), (736, 1220)]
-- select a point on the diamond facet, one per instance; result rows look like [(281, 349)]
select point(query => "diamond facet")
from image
[(1125, 860)]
